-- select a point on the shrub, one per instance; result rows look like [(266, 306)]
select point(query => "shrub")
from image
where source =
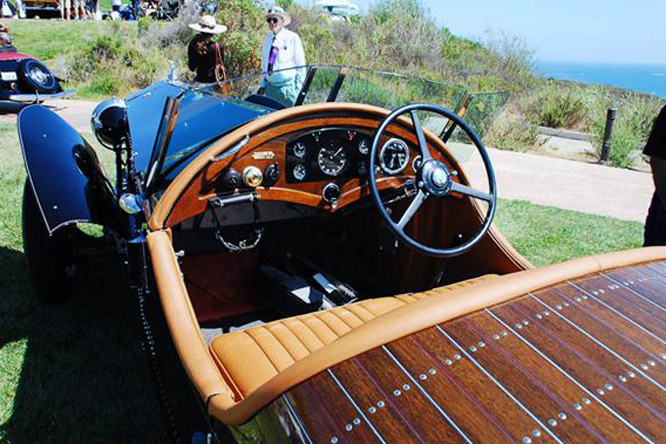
[(556, 106), (513, 134)]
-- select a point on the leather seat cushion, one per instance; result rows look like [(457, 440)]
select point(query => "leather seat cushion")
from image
[(250, 357)]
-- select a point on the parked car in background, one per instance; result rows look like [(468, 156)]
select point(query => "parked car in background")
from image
[(24, 79)]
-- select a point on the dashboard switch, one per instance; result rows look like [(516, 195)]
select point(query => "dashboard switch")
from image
[(232, 179), (271, 175), (331, 193)]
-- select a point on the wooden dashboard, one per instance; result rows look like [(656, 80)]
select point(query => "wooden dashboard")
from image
[(268, 147)]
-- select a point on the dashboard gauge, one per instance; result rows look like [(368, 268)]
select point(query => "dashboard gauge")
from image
[(332, 159), (300, 150), (299, 172), (394, 156), (416, 163), (364, 147)]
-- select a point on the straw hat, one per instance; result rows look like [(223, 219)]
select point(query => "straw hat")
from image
[(276, 11), (208, 25)]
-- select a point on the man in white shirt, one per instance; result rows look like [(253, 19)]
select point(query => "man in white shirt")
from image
[(282, 49)]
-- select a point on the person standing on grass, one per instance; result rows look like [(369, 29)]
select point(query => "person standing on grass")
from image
[(204, 56), (65, 11), (655, 223), (282, 49)]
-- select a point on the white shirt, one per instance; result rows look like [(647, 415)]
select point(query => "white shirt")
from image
[(290, 54)]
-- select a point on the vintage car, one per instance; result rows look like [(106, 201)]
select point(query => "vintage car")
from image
[(24, 79), (328, 273)]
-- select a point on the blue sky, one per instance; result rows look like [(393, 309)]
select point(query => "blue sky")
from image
[(563, 30)]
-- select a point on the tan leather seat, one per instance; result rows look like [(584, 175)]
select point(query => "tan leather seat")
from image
[(250, 357)]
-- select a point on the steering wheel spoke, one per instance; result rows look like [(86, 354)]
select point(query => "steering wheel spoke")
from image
[(469, 191), (413, 207), (420, 136)]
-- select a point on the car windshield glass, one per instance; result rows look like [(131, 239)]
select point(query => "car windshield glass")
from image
[(254, 95)]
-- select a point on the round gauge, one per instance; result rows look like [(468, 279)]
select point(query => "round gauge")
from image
[(299, 172), (416, 163), (394, 156), (364, 147), (299, 150), (332, 159)]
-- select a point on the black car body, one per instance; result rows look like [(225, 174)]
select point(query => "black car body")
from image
[(24, 79)]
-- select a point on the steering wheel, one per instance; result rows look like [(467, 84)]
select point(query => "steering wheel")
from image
[(433, 180)]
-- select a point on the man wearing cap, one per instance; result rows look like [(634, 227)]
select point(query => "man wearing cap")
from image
[(206, 57), (282, 49)]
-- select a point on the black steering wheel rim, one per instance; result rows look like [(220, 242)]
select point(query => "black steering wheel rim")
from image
[(490, 197)]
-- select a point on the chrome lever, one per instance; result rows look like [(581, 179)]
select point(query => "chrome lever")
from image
[(233, 150)]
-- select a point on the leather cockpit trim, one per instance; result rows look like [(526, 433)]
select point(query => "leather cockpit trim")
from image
[(401, 322)]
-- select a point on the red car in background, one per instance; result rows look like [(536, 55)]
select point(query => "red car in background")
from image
[(24, 79)]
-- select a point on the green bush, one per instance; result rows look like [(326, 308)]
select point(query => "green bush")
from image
[(513, 135), (555, 106)]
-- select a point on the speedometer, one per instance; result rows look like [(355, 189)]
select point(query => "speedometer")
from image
[(332, 159)]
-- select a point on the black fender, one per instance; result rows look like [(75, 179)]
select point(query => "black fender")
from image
[(64, 172)]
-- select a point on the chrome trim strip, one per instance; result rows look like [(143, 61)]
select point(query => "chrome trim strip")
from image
[(561, 370), (360, 411), (636, 324), (427, 395), (634, 292), (498, 384), (297, 418), (598, 342)]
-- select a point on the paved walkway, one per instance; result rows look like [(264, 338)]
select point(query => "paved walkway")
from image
[(542, 180)]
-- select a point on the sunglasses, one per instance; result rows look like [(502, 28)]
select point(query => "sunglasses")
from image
[(272, 20)]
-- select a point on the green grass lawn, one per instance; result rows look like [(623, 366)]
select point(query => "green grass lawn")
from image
[(74, 373)]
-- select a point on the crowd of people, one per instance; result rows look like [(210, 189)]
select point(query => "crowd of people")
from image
[(281, 56)]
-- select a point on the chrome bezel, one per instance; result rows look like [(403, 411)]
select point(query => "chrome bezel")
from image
[(300, 152), (405, 149)]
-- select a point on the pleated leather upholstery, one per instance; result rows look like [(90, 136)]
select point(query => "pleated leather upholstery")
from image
[(250, 357)]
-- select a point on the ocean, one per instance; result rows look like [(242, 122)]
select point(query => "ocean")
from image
[(642, 78)]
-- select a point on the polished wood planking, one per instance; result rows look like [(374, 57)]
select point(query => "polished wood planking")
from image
[(576, 362)]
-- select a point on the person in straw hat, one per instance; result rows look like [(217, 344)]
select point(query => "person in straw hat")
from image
[(205, 56), (282, 49)]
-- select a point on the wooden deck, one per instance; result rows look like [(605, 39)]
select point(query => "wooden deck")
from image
[(579, 362)]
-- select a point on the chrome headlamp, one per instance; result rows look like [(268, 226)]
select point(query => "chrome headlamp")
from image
[(109, 122)]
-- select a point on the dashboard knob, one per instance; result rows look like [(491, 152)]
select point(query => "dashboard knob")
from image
[(331, 193), (252, 176), (271, 175), (232, 179)]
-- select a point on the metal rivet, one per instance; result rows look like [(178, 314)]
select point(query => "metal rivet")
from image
[(596, 293), (527, 440), (586, 401), (423, 377), (601, 291), (566, 304), (448, 362), (482, 344), (405, 387), (538, 316), (536, 433), (496, 337), (601, 392), (562, 416), (519, 326), (334, 440), (372, 409), (652, 363), (663, 356), (577, 299), (504, 333), (381, 404), (357, 421), (397, 392), (584, 296), (525, 322), (578, 406), (349, 427), (552, 422), (608, 387), (631, 374), (547, 313), (432, 371), (558, 306), (472, 349), (458, 357), (644, 366), (622, 378)]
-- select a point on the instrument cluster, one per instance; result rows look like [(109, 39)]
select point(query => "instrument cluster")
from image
[(334, 153)]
